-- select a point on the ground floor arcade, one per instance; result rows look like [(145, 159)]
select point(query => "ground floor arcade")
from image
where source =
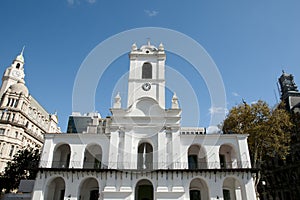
[(107, 184)]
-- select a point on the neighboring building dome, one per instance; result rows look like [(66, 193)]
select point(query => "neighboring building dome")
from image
[(19, 88)]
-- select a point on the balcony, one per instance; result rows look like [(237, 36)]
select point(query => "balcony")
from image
[(133, 166)]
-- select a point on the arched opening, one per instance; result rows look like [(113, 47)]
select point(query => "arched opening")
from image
[(145, 156), (232, 189), (198, 190), (18, 65), (61, 156), (197, 157), (92, 157), (147, 71), (228, 157), (89, 189), (144, 190), (55, 190)]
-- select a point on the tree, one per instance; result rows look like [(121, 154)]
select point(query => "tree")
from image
[(23, 166), (269, 130)]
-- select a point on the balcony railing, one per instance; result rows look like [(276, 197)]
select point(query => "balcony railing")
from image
[(144, 166)]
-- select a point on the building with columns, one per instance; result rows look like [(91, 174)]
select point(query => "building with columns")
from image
[(141, 151), (23, 121)]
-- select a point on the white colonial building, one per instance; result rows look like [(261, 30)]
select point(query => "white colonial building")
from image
[(141, 152), (23, 121)]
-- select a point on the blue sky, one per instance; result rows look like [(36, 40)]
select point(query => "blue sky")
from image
[(250, 42)]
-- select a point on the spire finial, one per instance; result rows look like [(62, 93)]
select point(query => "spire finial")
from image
[(161, 46), (175, 104), (133, 47), (148, 41), (22, 50), (117, 103)]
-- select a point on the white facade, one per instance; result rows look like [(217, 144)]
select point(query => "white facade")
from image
[(141, 152), (22, 119)]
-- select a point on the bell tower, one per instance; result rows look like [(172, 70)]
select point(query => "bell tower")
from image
[(147, 73), (14, 73)]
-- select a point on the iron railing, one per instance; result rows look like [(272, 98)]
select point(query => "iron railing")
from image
[(144, 166)]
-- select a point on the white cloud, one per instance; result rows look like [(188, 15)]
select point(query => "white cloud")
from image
[(77, 2), (71, 2), (213, 129), (253, 102), (91, 1), (217, 110), (235, 94), (152, 13)]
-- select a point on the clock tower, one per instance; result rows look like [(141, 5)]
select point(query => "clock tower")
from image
[(147, 74), (13, 74)]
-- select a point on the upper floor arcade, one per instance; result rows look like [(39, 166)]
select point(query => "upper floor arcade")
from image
[(162, 151)]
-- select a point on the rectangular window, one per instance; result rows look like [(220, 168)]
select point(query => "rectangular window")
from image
[(16, 103), (8, 116), (8, 102), (11, 150), (226, 194), (193, 161), (2, 131), (195, 195), (2, 147), (62, 195), (222, 161)]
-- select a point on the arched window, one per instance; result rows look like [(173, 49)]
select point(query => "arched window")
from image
[(55, 189), (198, 190), (92, 157), (228, 157), (145, 156), (18, 65), (147, 71), (144, 190), (197, 157), (89, 189), (61, 157), (232, 189)]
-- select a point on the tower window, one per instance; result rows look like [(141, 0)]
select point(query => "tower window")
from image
[(147, 71), (18, 66)]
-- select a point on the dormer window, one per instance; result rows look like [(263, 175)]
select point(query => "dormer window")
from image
[(147, 71)]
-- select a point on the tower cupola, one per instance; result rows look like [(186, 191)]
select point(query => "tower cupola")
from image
[(147, 73), (14, 73), (19, 62)]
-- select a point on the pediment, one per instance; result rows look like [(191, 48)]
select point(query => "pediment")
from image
[(144, 107), (145, 112)]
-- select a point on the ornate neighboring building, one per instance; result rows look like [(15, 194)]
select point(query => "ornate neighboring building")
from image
[(281, 178), (141, 152), (23, 121)]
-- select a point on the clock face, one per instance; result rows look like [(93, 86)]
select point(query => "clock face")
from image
[(146, 86), (16, 73)]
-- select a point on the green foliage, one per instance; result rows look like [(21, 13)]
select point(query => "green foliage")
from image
[(269, 129), (23, 166)]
